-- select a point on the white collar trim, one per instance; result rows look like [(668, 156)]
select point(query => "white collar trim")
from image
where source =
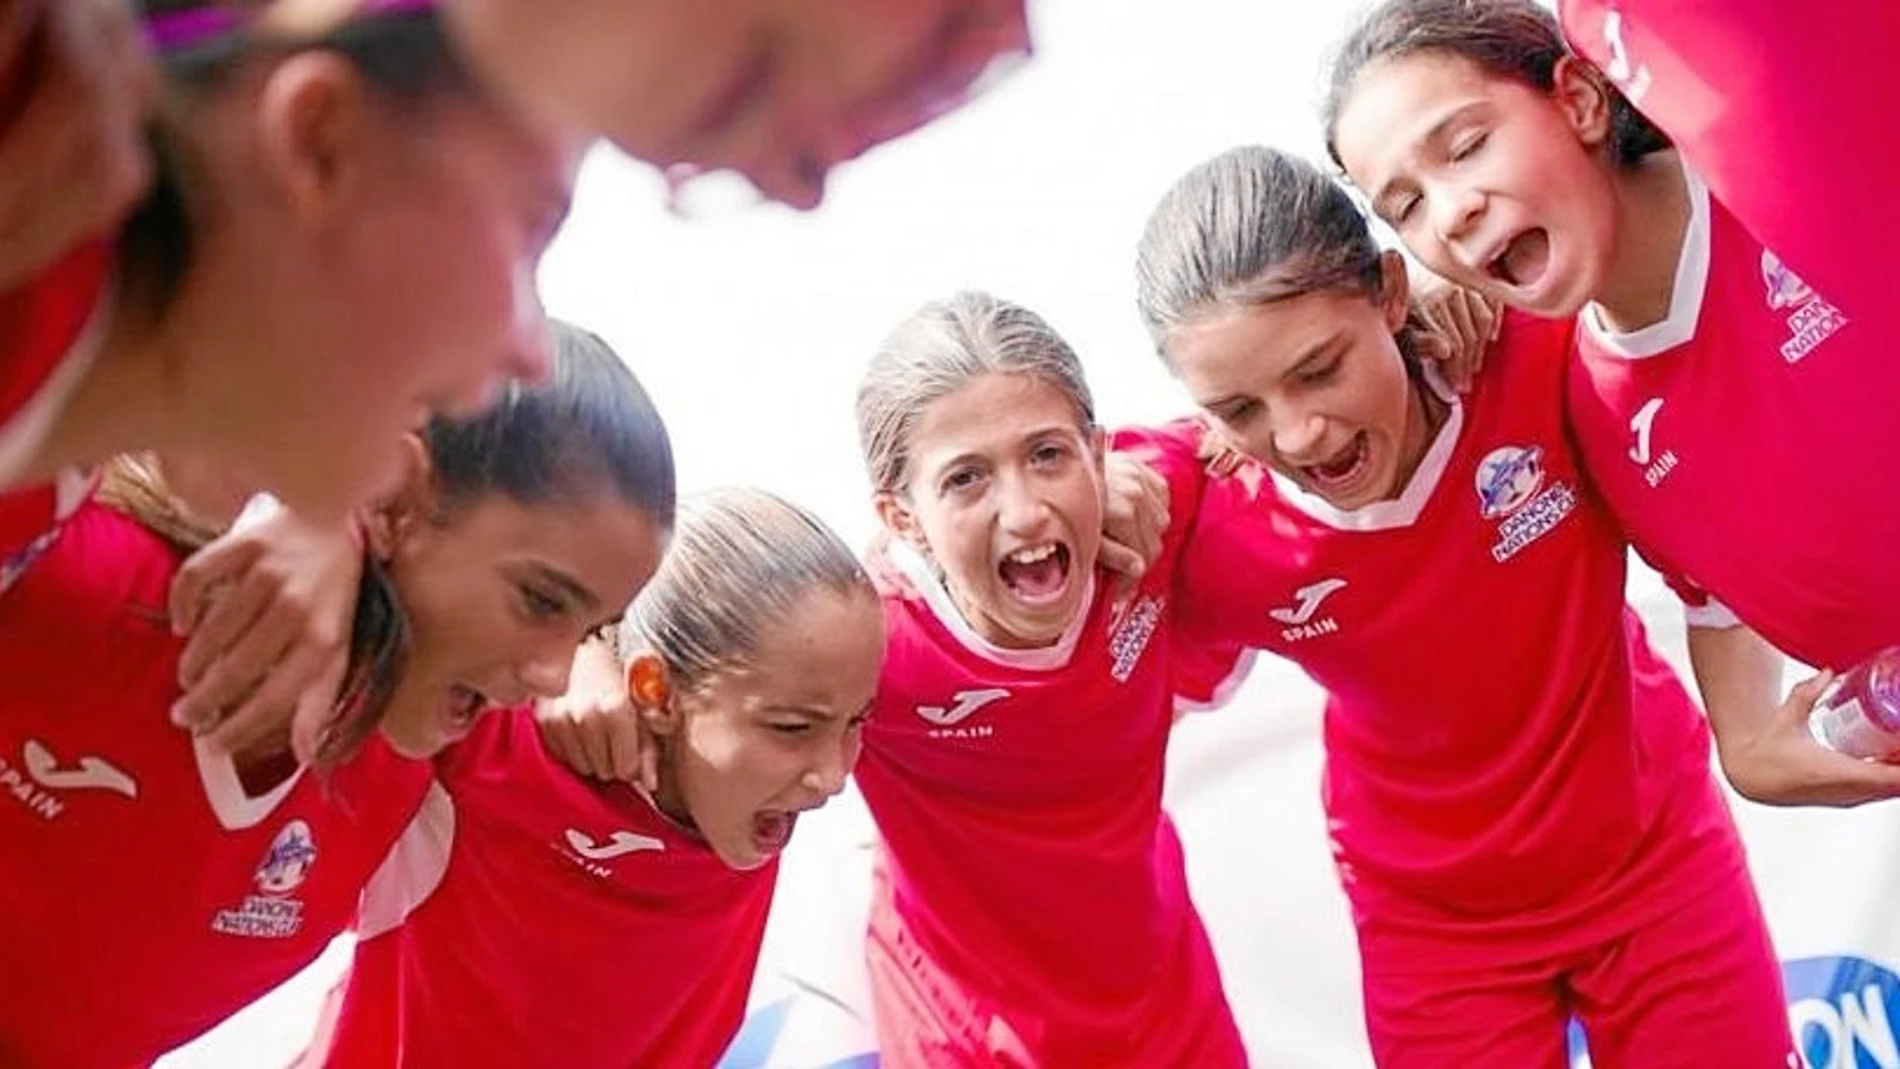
[(235, 809), (1685, 298)]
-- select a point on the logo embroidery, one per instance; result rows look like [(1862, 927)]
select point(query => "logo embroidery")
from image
[(1308, 601), (1131, 637), (581, 849), (1299, 616), (620, 842), (38, 780), (1643, 425), (1633, 80), (1511, 490), (272, 913), (964, 703), (1812, 321)]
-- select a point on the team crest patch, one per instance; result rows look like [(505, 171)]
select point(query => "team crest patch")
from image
[(288, 860), (272, 913), (1507, 478), (1811, 319), (1511, 489)]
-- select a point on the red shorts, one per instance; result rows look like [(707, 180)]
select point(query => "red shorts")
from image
[(927, 1019), (1696, 988)]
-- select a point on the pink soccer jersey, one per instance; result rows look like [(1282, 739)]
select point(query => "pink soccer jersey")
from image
[(1785, 108), (1503, 748), (1746, 442), (1032, 906), (145, 892), (531, 917), (49, 331)]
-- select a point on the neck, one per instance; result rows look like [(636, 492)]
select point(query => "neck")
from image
[(1652, 221), (985, 627), (263, 766), (1425, 416), (203, 486), (667, 797), (126, 402)]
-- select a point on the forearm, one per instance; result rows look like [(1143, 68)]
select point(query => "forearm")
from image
[(1739, 675)]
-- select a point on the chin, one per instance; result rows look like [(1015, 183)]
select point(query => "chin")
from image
[(1043, 631), (410, 746)]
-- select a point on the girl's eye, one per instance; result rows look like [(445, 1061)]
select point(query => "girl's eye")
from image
[(1402, 211), (1320, 374), (792, 727), (540, 606), (961, 479), (1469, 145), (1048, 454), (1238, 413)]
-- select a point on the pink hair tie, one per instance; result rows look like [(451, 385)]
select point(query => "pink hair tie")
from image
[(191, 26), (194, 26)]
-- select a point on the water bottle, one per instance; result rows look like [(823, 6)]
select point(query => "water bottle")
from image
[(1859, 715)]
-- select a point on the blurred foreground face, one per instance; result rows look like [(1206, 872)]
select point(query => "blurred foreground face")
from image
[(779, 91)]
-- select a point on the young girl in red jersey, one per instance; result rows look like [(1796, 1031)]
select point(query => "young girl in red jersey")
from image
[(341, 240), (154, 885), (1516, 785), (1740, 83), (1707, 373), (751, 658), (1031, 906)]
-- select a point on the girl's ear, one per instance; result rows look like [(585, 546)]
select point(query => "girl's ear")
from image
[(316, 134), (901, 521), (387, 524), (1583, 96), (1395, 289), (650, 690)]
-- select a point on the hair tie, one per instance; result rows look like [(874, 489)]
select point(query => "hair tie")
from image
[(190, 27)]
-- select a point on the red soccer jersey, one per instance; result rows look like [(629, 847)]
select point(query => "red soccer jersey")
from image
[(1504, 751), (1744, 443), (49, 332), (30, 521), (1025, 856), (146, 893), (532, 917), (1786, 109)]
